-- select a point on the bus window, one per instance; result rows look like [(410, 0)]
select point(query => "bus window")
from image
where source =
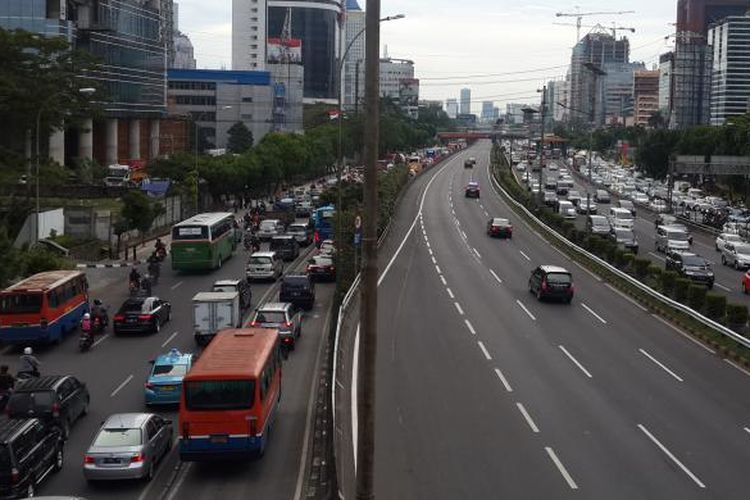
[(21, 303), (219, 394)]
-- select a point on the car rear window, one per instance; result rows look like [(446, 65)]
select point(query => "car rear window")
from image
[(169, 371), (226, 289), (270, 317), (277, 243), (260, 261), (133, 306), (113, 438), (30, 403), (559, 278), (268, 225), (322, 261), (296, 282), (217, 395)]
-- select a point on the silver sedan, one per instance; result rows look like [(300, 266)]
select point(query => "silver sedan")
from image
[(128, 446)]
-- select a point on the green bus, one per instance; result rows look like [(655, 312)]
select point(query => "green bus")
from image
[(203, 241)]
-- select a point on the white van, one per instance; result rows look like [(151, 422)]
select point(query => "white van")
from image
[(621, 218), (566, 209)]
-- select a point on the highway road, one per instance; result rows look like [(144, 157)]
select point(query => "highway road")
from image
[(483, 392), (116, 369)]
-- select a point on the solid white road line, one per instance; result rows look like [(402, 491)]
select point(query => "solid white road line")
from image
[(101, 339), (725, 288), (355, 396), (174, 287), (735, 365), (442, 278), (497, 278), (477, 252), (450, 293), (574, 360), (671, 456), (169, 339), (503, 380), (484, 350), (470, 327), (528, 418), (525, 256), (687, 336), (661, 365), (119, 387), (629, 299), (561, 468), (458, 307), (526, 310), (181, 479), (593, 313)]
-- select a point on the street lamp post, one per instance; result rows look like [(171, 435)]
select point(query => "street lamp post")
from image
[(84, 91), (543, 112), (528, 115)]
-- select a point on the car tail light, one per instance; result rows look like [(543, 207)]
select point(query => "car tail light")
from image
[(88, 459), (145, 317), (287, 340), (185, 430), (544, 285), (119, 317), (332, 268), (571, 289), (253, 323), (149, 385), (14, 475), (43, 323), (55, 410), (138, 457), (288, 324)]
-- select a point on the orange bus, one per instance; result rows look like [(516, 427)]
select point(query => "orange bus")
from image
[(43, 308), (230, 396)]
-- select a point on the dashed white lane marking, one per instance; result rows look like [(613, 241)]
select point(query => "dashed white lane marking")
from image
[(657, 256), (175, 286), (450, 293), (671, 456), (101, 339), (442, 278), (629, 299), (747, 429), (525, 256), (434, 260), (123, 384), (526, 310), (735, 365), (429, 247), (477, 252), (687, 336), (561, 468), (504, 381), (591, 311), (470, 327), (528, 418), (576, 362), (458, 308), (430, 250), (484, 350), (463, 233), (661, 365), (437, 268), (725, 288), (497, 278), (169, 339)]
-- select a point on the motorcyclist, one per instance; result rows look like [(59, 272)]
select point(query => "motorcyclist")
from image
[(160, 249), (146, 285), (29, 365), (98, 311), (135, 277), (154, 267), (87, 324)]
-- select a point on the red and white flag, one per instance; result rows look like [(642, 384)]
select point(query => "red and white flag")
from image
[(333, 114)]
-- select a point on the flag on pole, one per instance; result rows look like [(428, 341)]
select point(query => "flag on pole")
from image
[(333, 114)]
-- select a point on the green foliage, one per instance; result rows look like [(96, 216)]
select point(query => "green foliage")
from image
[(628, 258), (736, 314), (138, 211), (39, 260), (697, 297), (681, 289), (668, 282), (240, 138), (641, 268), (716, 306)]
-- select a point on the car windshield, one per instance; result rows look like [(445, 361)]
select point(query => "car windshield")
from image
[(169, 370), (500, 222), (116, 438), (678, 236), (693, 261), (20, 303), (732, 237), (743, 249), (296, 282), (559, 278), (273, 317), (30, 403), (624, 235), (225, 288), (217, 395), (260, 261), (322, 261)]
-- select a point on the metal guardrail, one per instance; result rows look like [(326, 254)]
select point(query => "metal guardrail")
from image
[(721, 329)]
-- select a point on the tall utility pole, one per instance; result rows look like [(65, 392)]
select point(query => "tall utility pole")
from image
[(596, 72), (543, 112), (369, 307)]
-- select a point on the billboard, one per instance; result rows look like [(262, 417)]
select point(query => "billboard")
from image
[(285, 51), (408, 92)]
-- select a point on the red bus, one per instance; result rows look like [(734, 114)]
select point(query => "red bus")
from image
[(230, 396), (43, 307)]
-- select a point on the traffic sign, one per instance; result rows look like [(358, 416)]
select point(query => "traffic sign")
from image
[(358, 223), (357, 239)]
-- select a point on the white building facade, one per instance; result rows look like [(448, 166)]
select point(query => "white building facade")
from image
[(730, 78), (354, 64), (249, 34)]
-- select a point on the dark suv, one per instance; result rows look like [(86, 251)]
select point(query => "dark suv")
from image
[(691, 266), (29, 451), (552, 282), (58, 400), (285, 246), (298, 289)]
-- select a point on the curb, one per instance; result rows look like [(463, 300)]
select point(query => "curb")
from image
[(111, 265)]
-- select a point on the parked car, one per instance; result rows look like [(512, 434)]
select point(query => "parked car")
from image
[(164, 383), (128, 446), (58, 400), (240, 286), (299, 289), (264, 266), (691, 266), (142, 315), (551, 282), (282, 316), (29, 452)]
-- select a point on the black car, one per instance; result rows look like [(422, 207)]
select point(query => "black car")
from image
[(285, 246), (58, 400), (299, 289), (29, 452), (240, 286), (551, 282), (691, 266), (142, 315), (625, 238)]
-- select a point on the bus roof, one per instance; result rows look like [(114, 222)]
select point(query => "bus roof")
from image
[(235, 353), (206, 219), (43, 281)]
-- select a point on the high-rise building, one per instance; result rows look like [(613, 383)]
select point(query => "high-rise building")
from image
[(465, 104), (645, 95), (451, 107), (392, 73), (666, 63), (693, 59), (514, 113), (249, 34), (597, 48), (134, 39), (488, 111), (354, 65), (617, 90), (730, 78), (183, 55)]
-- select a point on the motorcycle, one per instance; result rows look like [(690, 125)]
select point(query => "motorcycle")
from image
[(26, 375), (154, 270), (161, 253), (85, 341), (133, 287)]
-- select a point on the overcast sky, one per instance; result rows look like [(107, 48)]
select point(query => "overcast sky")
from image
[(451, 42)]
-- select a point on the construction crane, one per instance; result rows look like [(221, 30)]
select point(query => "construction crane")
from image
[(580, 15), (614, 27)]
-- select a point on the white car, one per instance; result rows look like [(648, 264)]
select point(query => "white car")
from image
[(264, 266), (658, 206), (725, 238), (639, 197), (736, 255), (269, 228)]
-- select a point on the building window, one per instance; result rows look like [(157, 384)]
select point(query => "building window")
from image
[(196, 100), (247, 99), (247, 117)]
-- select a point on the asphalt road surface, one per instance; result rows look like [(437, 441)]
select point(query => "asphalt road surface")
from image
[(483, 392), (117, 367)]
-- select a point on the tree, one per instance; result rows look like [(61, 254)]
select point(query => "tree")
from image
[(138, 211), (657, 120), (240, 138)]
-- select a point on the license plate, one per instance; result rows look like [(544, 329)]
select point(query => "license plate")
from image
[(132, 320), (219, 439), (111, 460), (167, 388)]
